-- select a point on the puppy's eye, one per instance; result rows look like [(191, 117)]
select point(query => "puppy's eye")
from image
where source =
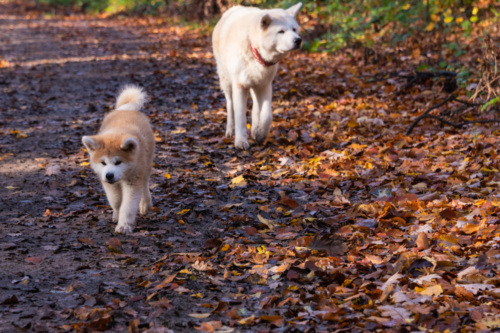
[(293, 29), (103, 163), (281, 31), (118, 162)]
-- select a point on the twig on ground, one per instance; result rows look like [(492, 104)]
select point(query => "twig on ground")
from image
[(442, 120)]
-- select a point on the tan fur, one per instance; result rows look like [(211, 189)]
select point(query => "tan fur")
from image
[(130, 192)]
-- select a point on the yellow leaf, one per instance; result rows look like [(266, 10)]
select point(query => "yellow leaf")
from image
[(449, 238), (181, 222), (10, 187), (183, 211), (199, 315), (185, 271), (84, 163), (238, 181), (474, 11), (14, 131), (406, 7), (352, 123), (430, 26), (471, 228), (368, 165), (249, 126), (430, 291), (225, 247), (448, 19), (166, 176), (198, 295), (236, 273), (459, 20), (435, 18)]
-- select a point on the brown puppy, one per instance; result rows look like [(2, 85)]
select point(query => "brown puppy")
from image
[(122, 155)]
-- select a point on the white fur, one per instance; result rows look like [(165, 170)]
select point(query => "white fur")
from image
[(110, 167), (272, 32), (131, 98)]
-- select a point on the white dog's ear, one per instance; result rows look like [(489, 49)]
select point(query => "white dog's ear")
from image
[(129, 144), (294, 9), (91, 143), (265, 21)]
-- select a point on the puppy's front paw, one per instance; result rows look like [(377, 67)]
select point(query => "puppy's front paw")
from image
[(241, 144), (116, 214), (124, 229)]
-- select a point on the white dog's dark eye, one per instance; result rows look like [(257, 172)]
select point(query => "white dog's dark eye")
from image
[(103, 163), (293, 29), (118, 162), (281, 31)]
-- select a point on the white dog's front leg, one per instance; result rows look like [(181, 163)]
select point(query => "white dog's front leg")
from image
[(263, 98), (114, 195), (255, 113), (240, 96), (129, 208), (230, 114)]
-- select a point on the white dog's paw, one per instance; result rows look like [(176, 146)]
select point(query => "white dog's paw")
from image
[(229, 132), (124, 229), (241, 144), (116, 214), (260, 136)]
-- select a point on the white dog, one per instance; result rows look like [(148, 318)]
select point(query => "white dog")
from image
[(122, 155), (248, 43)]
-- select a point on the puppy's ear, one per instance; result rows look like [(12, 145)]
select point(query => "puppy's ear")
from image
[(91, 143), (294, 9), (265, 21), (129, 144)]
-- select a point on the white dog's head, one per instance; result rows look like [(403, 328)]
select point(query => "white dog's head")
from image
[(112, 157), (277, 33)]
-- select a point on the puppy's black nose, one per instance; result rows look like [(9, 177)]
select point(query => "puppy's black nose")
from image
[(297, 42), (110, 176)]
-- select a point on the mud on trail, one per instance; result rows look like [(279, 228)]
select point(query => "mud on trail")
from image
[(338, 222)]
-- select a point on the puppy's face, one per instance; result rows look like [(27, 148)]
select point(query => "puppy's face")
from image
[(280, 30), (112, 157)]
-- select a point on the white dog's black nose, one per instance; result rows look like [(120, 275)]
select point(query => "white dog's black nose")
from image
[(110, 176), (297, 42)]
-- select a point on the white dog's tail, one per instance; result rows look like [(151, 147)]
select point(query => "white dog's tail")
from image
[(131, 98)]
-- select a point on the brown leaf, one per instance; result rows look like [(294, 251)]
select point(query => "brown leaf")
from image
[(448, 214), (212, 243), (165, 282), (10, 300), (333, 246), (462, 292), (115, 245), (422, 241), (34, 260)]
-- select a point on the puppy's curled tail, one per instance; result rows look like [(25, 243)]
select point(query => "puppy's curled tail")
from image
[(131, 98)]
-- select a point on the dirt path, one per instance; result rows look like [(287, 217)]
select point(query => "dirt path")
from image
[(339, 223), (62, 76)]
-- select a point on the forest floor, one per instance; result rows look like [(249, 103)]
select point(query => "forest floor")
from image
[(340, 222)]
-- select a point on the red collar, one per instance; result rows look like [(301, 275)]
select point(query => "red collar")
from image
[(259, 58)]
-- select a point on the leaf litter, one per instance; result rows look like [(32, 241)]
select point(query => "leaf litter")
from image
[(338, 223)]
